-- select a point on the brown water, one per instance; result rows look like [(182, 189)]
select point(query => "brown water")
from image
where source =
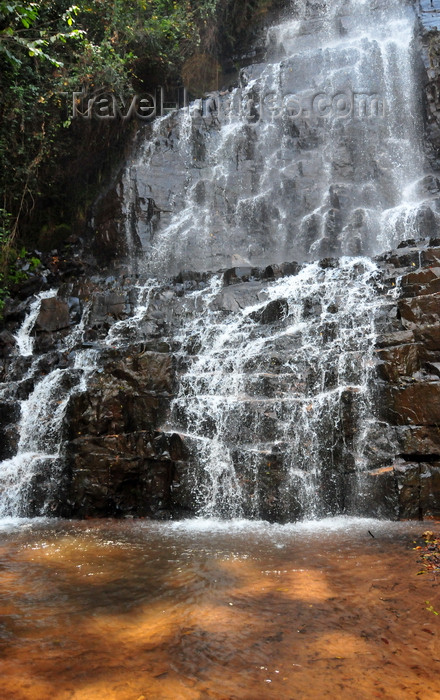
[(126, 610)]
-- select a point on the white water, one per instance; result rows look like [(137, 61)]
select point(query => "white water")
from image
[(317, 153), (24, 337), (39, 446), (258, 400), (38, 456)]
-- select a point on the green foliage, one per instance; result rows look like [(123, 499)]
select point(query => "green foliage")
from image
[(15, 265), (15, 40), (50, 166), (430, 608)]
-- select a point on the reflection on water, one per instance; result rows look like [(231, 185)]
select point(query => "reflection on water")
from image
[(201, 610)]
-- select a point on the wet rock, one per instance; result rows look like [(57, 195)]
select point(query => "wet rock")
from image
[(429, 336), (118, 463), (328, 263), (28, 287), (421, 310), (401, 259), (7, 344), (109, 242), (75, 309), (416, 404), (113, 409), (182, 497), (111, 476), (236, 297), (376, 496), (430, 490), (418, 442), (431, 256), (274, 311), (237, 274), (396, 338), (408, 484), (105, 306), (399, 361), (423, 281), (9, 417), (53, 316)]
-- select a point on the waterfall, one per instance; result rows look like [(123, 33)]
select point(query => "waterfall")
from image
[(318, 152), (24, 338), (279, 391), (38, 461), (316, 155)]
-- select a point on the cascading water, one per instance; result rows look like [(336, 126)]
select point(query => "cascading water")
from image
[(24, 338), (278, 392), (37, 463), (317, 153)]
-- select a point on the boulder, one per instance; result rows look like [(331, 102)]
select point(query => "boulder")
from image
[(53, 315), (274, 311)]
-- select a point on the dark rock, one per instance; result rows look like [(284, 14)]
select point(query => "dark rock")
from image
[(237, 274), (237, 296), (105, 306), (7, 344), (418, 441), (423, 281), (53, 316), (328, 263), (109, 242), (111, 477), (409, 243), (416, 404), (420, 310), (274, 311), (27, 288), (408, 484), (430, 490), (433, 368), (429, 336), (396, 338), (75, 309), (431, 256), (377, 496), (399, 361)]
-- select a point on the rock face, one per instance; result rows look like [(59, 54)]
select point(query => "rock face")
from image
[(118, 460), (123, 461), (92, 420), (429, 37), (119, 366), (408, 387), (308, 157)]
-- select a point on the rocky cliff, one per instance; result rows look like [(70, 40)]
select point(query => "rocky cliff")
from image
[(93, 357), (117, 454)]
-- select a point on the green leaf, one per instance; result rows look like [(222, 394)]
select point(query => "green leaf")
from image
[(430, 608)]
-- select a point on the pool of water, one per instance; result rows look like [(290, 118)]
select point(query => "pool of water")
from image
[(201, 610)]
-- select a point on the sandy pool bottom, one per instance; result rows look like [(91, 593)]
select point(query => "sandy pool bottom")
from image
[(201, 610)]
